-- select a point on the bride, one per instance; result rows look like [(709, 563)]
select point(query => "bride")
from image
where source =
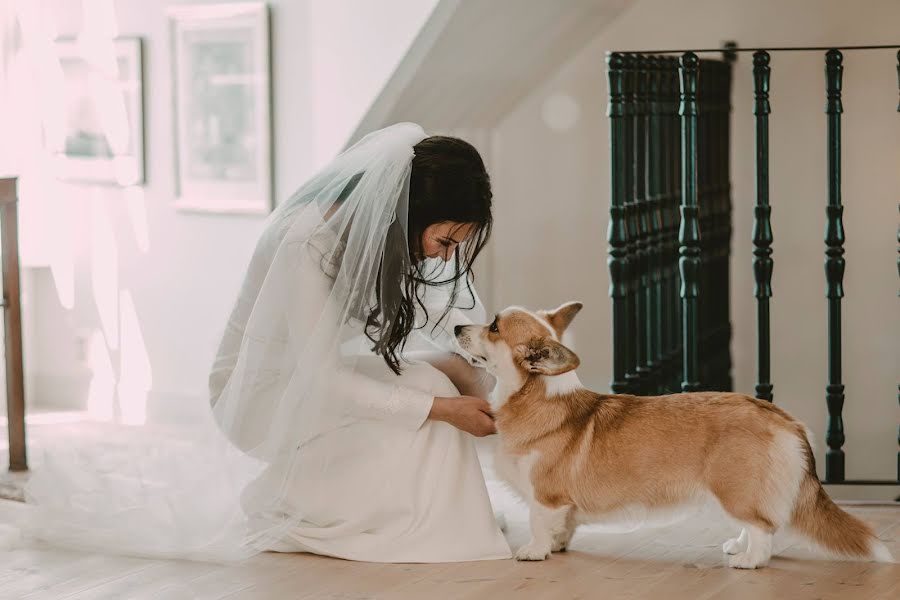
[(341, 421), (324, 366)]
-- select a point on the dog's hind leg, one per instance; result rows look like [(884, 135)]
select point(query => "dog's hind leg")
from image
[(759, 490), (753, 547), (562, 539), (736, 545), (758, 552), (546, 524)]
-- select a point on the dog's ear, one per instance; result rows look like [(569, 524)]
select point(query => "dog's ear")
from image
[(562, 316), (548, 357)]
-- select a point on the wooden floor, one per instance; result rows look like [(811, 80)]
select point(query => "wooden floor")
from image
[(683, 561)]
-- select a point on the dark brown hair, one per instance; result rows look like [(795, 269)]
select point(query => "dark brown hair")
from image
[(448, 183)]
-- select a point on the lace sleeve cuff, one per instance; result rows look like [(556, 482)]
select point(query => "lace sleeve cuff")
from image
[(406, 407)]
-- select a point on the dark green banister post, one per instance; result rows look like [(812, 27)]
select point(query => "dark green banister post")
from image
[(654, 208), (834, 269), (642, 278), (762, 229), (617, 234), (675, 204), (689, 231), (631, 223), (666, 157)]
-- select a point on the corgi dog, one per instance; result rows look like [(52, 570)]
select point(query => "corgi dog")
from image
[(577, 456)]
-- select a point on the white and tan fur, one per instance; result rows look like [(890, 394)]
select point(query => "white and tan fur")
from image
[(576, 456)]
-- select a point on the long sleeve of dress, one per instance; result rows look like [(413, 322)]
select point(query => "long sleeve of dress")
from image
[(362, 396)]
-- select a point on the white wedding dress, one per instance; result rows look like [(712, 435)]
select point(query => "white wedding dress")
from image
[(312, 442), (435, 506)]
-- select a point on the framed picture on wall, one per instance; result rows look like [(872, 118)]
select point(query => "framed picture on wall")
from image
[(98, 133), (222, 107)]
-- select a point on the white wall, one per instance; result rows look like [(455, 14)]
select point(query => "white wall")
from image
[(355, 46), (552, 191), (182, 270)]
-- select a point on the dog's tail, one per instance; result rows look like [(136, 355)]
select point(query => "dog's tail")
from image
[(817, 517)]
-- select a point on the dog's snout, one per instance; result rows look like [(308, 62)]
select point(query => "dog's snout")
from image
[(457, 330)]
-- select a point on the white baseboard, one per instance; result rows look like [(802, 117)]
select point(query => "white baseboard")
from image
[(57, 391), (69, 392)]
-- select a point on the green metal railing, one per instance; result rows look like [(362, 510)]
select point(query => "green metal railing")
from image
[(670, 226), (662, 272)]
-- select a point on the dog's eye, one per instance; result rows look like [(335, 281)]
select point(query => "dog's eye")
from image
[(493, 328)]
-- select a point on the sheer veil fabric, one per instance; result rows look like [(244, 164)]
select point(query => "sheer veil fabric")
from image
[(287, 375)]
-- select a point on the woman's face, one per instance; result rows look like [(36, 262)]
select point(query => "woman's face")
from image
[(441, 239)]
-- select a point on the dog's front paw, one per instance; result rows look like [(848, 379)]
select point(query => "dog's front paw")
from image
[(532, 551), (744, 560)]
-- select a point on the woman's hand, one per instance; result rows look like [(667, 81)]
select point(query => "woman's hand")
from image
[(466, 413)]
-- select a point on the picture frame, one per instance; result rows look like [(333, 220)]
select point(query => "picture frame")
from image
[(222, 107), (98, 135)]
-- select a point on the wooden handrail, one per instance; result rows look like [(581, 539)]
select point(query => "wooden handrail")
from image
[(8, 190), (12, 313)]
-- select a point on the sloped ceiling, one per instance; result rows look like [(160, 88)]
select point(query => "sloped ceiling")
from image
[(474, 59)]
